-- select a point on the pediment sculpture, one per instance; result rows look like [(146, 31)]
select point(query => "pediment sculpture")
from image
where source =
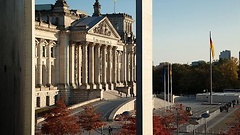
[(102, 28)]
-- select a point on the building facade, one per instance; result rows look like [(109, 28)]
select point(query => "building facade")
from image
[(79, 56), (225, 55)]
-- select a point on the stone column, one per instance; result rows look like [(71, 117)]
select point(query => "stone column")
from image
[(97, 66), (117, 66), (131, 66), (49, 64), (39, 65), (109, 67), (79, 65), (114, 65), (71, 64), (91, 66), (124, 67), (104, 77), (85, 66), (134, 65), (128, 66), (62, 63)]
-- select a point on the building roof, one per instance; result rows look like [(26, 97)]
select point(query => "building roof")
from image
[(87, 22), (43, 7)]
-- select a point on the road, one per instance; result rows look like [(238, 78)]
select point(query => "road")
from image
[(104, 107)]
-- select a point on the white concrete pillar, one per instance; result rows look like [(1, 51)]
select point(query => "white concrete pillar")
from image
[(97, 66), (104, 66), (144, 113)]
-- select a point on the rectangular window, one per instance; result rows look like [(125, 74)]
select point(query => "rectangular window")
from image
[(38, 102), (47, 100), (44, 51), (52, 55)]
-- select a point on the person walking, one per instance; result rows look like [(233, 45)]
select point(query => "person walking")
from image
[(109, 130)]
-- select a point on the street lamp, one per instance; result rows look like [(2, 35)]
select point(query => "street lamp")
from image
[(205, 90), (206, 115)]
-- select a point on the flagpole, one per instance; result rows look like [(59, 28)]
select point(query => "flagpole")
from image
[(210, 72), (114, 5), (171, 84), (168, 75), (164, 86)]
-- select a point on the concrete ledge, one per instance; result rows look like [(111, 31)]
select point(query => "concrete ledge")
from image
[(83, 103), (127, 106), (190, 128)]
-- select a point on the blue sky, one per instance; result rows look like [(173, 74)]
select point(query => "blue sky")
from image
[(181, 27)]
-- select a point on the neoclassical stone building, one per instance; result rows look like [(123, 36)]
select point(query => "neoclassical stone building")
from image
[(79, 56)]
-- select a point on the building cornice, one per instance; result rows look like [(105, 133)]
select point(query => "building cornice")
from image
[(45, 27)]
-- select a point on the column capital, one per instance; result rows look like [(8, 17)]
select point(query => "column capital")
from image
[(91, 44), (41, 40), (109, 47), (98, 45), (71, 42), (84, 43), (114, 48), (103, 46), (36, 41), (52, 43)]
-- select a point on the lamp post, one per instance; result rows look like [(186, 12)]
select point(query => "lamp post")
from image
[(206, 115)]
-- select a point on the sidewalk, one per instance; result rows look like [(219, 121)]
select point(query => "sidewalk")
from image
[(216, 125)]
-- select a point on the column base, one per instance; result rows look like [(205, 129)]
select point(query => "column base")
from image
[(105, 86), (110, 86), (85, 86), (99, 86), (93, 86), (73, 85)]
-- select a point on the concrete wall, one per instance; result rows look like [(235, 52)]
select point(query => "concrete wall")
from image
[(17, 113), (128, 106), (218, 97)]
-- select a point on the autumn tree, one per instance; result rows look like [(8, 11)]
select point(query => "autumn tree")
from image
[(129, 126), (235, 126), (59, 121), (166, 123), (162, 125), (89, 119)]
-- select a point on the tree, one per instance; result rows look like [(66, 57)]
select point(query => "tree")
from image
[(166, 123), (235, 126), (162, 125), (129, 126), (59, 121), (89, 119)]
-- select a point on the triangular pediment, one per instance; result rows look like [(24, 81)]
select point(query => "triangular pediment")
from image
[(104, 28)]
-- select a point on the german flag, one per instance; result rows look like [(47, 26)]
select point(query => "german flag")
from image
[(212, 47)]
